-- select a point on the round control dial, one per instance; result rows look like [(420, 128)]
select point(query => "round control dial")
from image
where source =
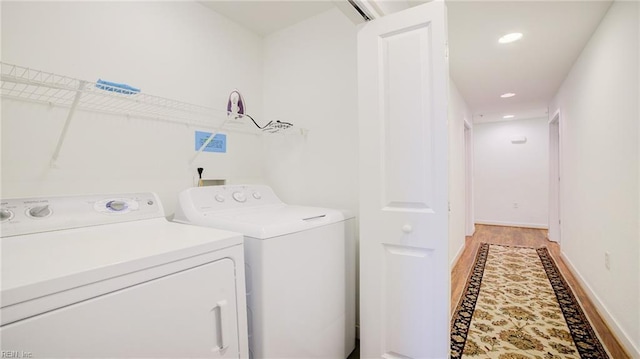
[(117, 206), (257, 195), (39, 211), (5, 215), (219, 198), (240, 196)]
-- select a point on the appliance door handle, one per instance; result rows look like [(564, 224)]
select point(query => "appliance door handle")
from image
[(314, 217), (223, 323)]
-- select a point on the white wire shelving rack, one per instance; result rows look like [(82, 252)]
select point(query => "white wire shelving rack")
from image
[(22, 83)]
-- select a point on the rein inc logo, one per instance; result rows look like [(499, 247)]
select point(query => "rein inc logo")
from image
[(16, 354)]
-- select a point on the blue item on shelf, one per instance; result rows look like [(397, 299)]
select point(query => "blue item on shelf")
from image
[(116, 87)]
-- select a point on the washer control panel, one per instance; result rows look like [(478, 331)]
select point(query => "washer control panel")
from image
[(19, 216), (213, 198)]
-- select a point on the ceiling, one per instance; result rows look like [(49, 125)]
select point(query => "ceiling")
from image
[(555, 32), (267, 16)]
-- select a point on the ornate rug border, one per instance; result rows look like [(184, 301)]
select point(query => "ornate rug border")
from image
[(579, 325), (460, 325)]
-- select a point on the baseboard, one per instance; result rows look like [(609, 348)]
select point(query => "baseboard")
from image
[(513, 224), (473, 230), (618, 332), (457, 256)]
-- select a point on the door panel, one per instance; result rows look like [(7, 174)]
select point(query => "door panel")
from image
[(408, 185), (403, 79), (189, 314), (405, 290)]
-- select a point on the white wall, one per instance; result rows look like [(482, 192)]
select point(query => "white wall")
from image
[(179, 50), (458, 112), (310, 78), (506, 173), (599, 197)]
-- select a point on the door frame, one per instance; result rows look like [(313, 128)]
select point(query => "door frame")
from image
[(555, 177), (469, 220)]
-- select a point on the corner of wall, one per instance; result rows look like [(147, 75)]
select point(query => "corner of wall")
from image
[(458, 114)]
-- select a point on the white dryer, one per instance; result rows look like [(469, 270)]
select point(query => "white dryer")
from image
[(108, 276), (300, 268)]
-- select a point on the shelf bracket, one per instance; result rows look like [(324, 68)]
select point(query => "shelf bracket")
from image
[(63, 134)]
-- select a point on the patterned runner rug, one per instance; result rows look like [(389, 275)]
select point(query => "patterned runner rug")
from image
[(518, 306)]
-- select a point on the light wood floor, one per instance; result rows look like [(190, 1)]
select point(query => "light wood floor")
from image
[(531, 238)]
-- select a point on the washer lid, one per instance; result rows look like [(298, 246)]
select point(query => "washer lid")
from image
[(40, 264), (270, 221)]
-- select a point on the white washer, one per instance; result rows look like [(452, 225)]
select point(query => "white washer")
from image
[(300, 268), (109, 276)]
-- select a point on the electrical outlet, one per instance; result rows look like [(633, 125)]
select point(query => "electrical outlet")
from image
[(607, 260)]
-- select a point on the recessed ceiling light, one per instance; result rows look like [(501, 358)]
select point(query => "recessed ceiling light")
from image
[(507, 95), (508, 116), (514, 36)]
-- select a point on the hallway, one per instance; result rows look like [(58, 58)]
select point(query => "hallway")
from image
[(530, 238)]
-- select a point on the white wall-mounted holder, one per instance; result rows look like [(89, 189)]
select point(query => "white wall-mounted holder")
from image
[(22, 83), (519, 140)]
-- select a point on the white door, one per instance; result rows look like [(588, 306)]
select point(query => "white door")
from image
[(403, 87)]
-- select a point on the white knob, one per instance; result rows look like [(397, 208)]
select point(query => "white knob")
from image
[(5, 214), (407, 228), (239, 196), (40, 211), (117, 206), (219, 198), (257, 195)]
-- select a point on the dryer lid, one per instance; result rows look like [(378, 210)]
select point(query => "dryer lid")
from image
[(40, 264)]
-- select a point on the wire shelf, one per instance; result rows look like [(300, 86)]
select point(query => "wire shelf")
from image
[(27, 84), (23, 83)]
